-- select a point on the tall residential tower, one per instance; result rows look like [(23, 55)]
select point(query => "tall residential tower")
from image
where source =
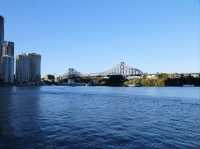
[(7, 64), (7, 48), (28, 68), (1, 29), (35, 67), (22, 68), (1, 40)]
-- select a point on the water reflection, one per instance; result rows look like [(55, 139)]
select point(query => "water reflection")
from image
[(6, 130), (19, 115)]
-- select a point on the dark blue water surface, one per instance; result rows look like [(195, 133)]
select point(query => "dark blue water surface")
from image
[(99, 118)]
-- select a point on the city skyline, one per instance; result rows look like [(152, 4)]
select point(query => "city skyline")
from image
[(28, 66), (93, 36)]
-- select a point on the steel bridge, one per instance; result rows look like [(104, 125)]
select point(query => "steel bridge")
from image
[(120, 69)]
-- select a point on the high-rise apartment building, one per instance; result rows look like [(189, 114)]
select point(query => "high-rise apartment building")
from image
[(1, 29), (1, 40), (22, 68), (7, 48), (35, 67), (7, 61), (28, 68), (7, 66)]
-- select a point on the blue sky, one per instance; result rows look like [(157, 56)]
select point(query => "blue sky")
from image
[(94, 35)]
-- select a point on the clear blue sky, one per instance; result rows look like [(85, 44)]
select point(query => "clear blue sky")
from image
[(93, 35)]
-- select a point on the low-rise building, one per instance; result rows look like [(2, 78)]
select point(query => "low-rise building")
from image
[(151, 76)]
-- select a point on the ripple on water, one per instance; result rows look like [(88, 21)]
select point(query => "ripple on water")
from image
[(104, 118)]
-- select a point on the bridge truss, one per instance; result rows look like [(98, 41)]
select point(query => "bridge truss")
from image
[(122, 69)]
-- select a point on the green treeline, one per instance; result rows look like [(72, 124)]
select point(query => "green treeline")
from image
[(183, 81), (164, 80), (146, 82)]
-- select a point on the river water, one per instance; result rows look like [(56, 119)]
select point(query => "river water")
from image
[(99, 117)]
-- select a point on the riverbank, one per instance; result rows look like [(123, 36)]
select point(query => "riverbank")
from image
[(162, 80)]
